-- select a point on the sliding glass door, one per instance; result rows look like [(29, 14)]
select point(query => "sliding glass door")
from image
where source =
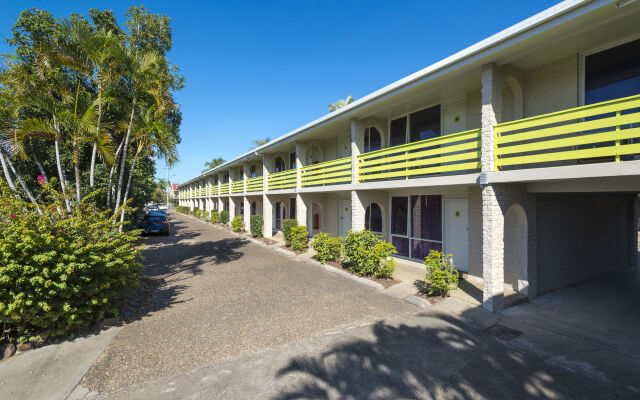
[(416, 225)]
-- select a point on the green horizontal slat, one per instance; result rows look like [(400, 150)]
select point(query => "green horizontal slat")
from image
[(422, 171), (571, 155)]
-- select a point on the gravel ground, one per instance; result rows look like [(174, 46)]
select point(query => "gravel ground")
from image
[(221, 297)]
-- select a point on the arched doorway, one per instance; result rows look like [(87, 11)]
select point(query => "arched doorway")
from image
[(279, 165), (313, 155), (516, 236)]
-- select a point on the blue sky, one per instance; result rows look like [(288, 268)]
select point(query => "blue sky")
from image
[(263, 68)]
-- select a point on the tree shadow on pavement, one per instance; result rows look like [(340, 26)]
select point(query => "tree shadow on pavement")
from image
[(448, 360)]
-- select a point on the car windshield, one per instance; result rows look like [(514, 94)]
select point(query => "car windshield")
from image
[(154, 218)]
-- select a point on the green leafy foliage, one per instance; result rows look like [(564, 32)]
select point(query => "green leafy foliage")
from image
[(368, 254), (206, 216), (299, 237), (441, 277), (59, 270), (327, 248), (215, 217), (182, 209), (224, 217), (198, 213), (287, 225), (256, 225), (237, 224)]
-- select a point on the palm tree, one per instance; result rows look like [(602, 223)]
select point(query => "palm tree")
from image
[(98, 50), (140, 78), (260, 142), (340, 103), (154, 136), (212, 164)]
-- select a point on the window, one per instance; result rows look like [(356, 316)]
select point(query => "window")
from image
[(292, 160), (398, 134), (292, 208), (254, 208), (416, 225), (425, 124), (316, 222), (279, 165), (373, 218), (252, 172), (279, 214), (612, 73), (372, 139), (241, 208), (225, 178)]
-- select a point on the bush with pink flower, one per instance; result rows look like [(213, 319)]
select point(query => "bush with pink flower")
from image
[(60, 270)]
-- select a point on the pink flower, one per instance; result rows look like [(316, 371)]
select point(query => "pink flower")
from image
[(41, 179), (13, 215)]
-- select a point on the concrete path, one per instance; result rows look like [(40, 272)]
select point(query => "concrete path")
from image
[(223, 297), (449, 351), (51, 372)]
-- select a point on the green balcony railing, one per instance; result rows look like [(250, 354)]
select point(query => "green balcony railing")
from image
[(455, 153), (254, 184), (607, 131), (326, 173), (237, 187), (282, 180), (224, 188)]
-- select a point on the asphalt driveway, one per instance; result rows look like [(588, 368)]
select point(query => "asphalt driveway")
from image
[(221, 297)]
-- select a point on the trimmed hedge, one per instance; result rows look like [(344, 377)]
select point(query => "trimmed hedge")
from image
[(224, 217), (256, 225), (198, 213), (215, 217), (287, 225), (327, 248), (299, 237), (237, 224), (368, 254)]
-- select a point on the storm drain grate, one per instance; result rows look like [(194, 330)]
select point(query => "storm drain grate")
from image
[(504, 333)]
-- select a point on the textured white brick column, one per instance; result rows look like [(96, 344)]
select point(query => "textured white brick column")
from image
[(300, 150), (301, 210), (356, 149), (357, 211), (232, 209), (247, 213), (267, 206), (220, 204), (245, 176), (492, 214)]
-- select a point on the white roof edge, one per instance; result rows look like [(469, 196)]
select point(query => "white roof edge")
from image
[(483, 45)]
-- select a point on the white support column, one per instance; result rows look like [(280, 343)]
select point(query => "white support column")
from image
[(301, 210), (300, 149), (247, 213), (267, 206), (232, 209), (357, 211), (492, 213), (356, 133)]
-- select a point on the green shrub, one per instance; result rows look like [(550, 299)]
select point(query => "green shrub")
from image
[(215, 217), (198, 213), (237, 224), (287, 224), (368, 254), (182, 209), (299, 237), (224, 217), (59, 270), (442, 277), (327, 248), (206, 216), (256, 225)]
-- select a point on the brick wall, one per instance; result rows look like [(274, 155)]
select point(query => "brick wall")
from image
[(582, 235), (551, 87)]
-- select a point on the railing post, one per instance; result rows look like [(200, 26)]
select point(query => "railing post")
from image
[(618, 136)]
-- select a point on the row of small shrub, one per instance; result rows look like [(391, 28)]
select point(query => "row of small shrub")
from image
[(237, 223), (183, 209), (256, 224), (224, 217), (215, 217), (364, 253), (198, 213)]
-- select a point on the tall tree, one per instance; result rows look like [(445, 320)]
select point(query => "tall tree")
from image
[(212, 164), (340, 103)]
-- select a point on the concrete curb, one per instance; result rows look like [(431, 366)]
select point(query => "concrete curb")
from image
[(346, 274), (276, 247), (417, 301)]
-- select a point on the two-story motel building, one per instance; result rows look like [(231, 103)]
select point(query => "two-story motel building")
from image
[(519, 155)]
